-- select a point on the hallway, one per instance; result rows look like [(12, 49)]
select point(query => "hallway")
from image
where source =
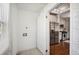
[(59, 22), (28, 28)]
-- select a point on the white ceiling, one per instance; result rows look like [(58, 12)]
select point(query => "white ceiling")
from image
[(60, 8), (66, 15), (35, 7)]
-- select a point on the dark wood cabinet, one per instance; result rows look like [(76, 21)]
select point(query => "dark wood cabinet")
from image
[(54, 36)]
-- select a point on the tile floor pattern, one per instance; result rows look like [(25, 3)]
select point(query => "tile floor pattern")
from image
[(34, 51)]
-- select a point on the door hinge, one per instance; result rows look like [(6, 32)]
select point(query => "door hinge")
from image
[(46, 50), (46, 17)]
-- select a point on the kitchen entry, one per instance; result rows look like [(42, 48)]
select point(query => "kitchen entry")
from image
[(59, 23)]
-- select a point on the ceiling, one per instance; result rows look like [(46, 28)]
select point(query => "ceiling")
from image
[(63, 9), (60, 8), (35, 7)]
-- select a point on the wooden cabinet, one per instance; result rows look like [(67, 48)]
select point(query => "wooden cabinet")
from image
[(54, 37)]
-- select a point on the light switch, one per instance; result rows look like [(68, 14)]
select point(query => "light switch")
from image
[(24, 34), (26, 27)]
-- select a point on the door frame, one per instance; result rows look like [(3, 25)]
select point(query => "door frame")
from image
[(50, 7), (48, 40)]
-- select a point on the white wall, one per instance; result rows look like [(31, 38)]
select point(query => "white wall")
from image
[(13, 26), (27, 19), (43, 29), (74, 29), (20, 19), (4, 42)]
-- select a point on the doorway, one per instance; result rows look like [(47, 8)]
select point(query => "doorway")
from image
[(59, 23)]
